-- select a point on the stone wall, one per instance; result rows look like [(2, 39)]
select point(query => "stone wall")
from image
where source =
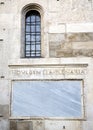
[(67, 40), (71, 45)]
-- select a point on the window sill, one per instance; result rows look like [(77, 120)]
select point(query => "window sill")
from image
[(46, 118), (48, 61)]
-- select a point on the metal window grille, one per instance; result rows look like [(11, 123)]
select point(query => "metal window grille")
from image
[(33, 34)]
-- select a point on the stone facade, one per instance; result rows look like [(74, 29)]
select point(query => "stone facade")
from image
[(67, 43)]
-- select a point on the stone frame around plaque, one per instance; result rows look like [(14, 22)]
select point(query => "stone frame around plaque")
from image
[(53, 118)]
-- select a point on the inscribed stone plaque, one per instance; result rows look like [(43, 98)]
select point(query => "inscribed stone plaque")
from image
[(46, 98)]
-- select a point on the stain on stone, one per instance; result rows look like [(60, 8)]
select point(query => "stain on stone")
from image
[(2, 3), (1, 40)]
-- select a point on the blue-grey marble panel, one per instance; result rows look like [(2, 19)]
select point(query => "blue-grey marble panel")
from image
[(47, 98)]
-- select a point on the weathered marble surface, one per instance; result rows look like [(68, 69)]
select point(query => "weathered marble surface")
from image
[(47, 98)]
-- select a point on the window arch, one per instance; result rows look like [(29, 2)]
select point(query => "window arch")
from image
[(32, 31), (32, 34)]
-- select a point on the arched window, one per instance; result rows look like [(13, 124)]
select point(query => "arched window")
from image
[(32, 34)]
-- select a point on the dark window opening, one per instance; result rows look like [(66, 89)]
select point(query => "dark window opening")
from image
[(33, 34)]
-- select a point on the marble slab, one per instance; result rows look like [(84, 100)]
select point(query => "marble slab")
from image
[(46, 98)]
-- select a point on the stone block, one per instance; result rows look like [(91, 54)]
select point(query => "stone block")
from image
[(60, 28), (52, 53), (88, 125), (4, 125), (63, 125), (23, 125), (4, 111), (82, 45), (55, 43), (64, 53), (79, 37), (13, 125), (31, 125), (54, 5), (57, 38), (79, 27), (52, 46), (4, 90), (81, 52), (81, 4), (3, 18), (38, 125), (74, 53)]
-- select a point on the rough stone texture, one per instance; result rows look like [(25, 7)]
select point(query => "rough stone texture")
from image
[(4, 124), (79, 28), (23, 125), (67, 33), (38, 125), (55, 41), (4, 111), (57, 38), (31, 125), (82, 45), (13, 125), (27, 125), (88, 125), (74, 53), (71, 62), (71, 45), (81, 52), (4, 91), (64, 53), (79, 37), (54, 125)]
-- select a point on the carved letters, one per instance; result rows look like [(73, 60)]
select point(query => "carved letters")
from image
[(48, 71)]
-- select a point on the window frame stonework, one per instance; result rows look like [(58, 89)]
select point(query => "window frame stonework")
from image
[(26, 9), (32, 34)]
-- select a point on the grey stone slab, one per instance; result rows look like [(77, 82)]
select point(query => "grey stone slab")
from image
[(47, 98)]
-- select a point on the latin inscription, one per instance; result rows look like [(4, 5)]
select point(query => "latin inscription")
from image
[(49, 71)]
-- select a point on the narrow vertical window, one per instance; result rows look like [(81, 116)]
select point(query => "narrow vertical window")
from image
[(32, 34)]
